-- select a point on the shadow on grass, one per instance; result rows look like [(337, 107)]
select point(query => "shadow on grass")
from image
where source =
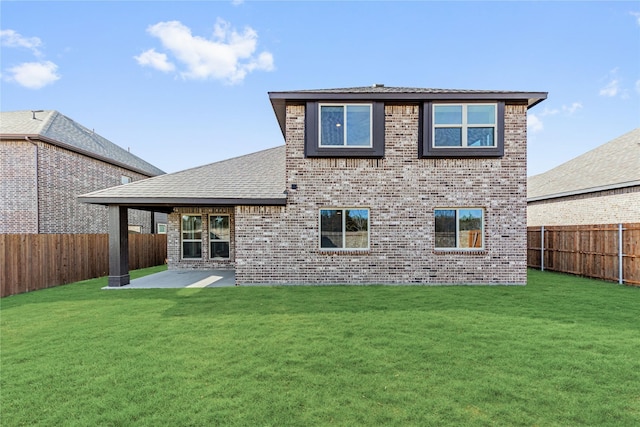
[(551, 296)]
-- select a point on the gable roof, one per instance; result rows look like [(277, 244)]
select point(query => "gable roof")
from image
[(381, 92), (615, 164), (252, 179), (54, 128)]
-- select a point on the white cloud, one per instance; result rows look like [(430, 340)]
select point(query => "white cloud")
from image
[(614, 87), (567, 110), (237, 2), (637, 15), (611, 89), (534, 124), (638, 86), (229, 56), (34, 75), (155, 60), (549, 112), (572, 108), (10, 38)]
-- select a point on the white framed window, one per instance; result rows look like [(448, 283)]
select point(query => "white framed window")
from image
[(219, 236), (344, 229), (345, 125), (125, 179), (459, 228), (191, 236), (162, 228), (464, 126)]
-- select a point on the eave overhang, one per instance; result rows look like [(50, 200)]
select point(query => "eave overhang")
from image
[(167, 204), (279, 100), (584, 191), (37, 137)]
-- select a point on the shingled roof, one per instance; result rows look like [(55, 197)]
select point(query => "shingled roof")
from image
[(252, 179), (55, 128), (615, 164)]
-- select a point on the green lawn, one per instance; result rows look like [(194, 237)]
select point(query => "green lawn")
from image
[(562, 351)]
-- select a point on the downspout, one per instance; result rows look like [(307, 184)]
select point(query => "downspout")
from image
[(35, 144)]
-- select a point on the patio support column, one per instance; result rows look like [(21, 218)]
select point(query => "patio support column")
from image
[(118, 246)]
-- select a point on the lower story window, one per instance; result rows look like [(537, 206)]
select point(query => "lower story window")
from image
[(344, 229), (191, 233), (219, 236), (460, 228)]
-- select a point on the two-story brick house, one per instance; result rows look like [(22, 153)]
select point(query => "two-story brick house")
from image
[(374, 185), (47, 160)]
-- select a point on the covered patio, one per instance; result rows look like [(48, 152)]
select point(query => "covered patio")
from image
[(256, 179)]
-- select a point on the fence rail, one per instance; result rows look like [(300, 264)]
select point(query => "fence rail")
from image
[(608, 252), (36, 261)]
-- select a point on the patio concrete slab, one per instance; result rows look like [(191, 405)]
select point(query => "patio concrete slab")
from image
[(183, 279)]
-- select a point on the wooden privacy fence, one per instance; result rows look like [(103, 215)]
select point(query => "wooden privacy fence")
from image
[(608, 252), (37, 261)]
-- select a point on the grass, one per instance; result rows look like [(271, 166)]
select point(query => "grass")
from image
[(562, 351)]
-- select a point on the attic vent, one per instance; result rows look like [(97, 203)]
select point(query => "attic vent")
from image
[(33, 112), (378, 85)]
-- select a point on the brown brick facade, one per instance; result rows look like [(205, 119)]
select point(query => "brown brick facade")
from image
[(174, 249), (280, 244), (61, 175)]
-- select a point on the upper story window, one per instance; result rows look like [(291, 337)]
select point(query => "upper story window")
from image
[(125, 179), (463, 130), (344, 129), (463, 126), (345, 125)]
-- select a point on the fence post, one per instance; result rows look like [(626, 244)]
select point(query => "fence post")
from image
[(620, 255), (542, 248)]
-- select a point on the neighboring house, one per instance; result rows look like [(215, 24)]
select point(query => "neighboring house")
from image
[(374, 185), (47, 160), (601, 186)]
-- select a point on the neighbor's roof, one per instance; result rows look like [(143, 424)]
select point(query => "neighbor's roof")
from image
[(615, 164), (381, 92), (54, 128), (252, 179)]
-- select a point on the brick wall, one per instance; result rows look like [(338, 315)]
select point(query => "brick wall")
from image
[(174, 250), (62, 176), (280, 244), (602, 207), (18, 193)]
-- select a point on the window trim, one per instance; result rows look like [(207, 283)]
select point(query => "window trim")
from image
[(183, 240), (312, 132), (457, 247), (427, 149), (210, 240), (343, 209)]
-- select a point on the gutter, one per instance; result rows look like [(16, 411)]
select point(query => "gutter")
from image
[(584, 191)]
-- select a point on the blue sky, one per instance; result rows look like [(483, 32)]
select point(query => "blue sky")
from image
[(183, 84)]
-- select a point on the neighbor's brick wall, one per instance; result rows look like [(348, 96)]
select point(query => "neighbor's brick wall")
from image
[(280, 244), (18, 207), (62, 176), (602, 207), (174, 249)]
